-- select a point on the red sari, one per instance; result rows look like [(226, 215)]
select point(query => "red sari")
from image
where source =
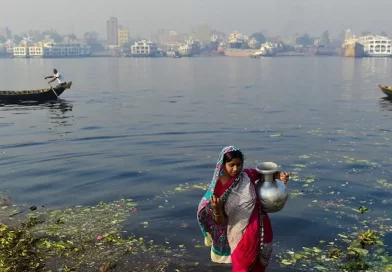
[(249, 241)]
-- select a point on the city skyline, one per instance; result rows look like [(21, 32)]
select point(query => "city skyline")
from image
[(145, 18)]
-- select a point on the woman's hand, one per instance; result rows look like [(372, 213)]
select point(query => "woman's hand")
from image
[(217, 205), (283, 176)]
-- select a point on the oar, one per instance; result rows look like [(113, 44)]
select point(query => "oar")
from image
[(52, 89)]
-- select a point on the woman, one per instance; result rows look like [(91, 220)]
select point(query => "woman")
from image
[(230, 217)]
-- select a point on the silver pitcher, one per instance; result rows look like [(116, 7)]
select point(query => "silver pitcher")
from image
[(272, 193)]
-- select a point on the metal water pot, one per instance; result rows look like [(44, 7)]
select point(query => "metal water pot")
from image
[(272, 193)]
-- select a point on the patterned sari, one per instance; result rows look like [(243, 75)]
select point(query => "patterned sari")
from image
[(245, 239)]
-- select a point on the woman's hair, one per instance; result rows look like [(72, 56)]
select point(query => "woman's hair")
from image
[(229, 156)]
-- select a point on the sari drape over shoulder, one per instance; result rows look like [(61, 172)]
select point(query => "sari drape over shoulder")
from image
[(245, 239)]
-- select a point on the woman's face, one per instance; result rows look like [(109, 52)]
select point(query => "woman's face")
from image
[(233, 167)]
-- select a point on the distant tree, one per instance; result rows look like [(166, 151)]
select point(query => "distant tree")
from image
[(365, 33), (304, 40), (259, 37), (17, 39), (2, 39), (383, 33), (324, 40)]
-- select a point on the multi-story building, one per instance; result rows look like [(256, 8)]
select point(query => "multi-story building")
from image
[(5, 32), (112, 31), (123, 35)]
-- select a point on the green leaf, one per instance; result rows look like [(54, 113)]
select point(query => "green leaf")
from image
[(286, 262)]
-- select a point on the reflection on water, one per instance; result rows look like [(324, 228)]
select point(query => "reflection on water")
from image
[(60, 113), (385, 103), (57, 113), (135, 128)]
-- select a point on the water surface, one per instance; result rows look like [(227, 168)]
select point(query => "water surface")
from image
[(138, 127)]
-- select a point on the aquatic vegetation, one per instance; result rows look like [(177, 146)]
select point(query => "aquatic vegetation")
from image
[(358, 248), (384, 183), (82, 238), (316, 132), (187, 187), (92, 238), (362, 209), (18, 250), (345, 253), (351, 160), (276, 135)]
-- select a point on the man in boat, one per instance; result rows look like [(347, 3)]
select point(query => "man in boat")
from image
[(57, 76)]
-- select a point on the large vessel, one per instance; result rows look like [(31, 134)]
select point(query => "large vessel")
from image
[(352, 49), (322, 50), (59, 50), (376, 45), (237, 46), (229, 52), (50, 49), (189, 49), (144, 48), (238, 40), (268, 49)]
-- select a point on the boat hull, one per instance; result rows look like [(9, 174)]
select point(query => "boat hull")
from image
[(239, 52), (378, 55), (386, 90), (353, 50), (33, 95)]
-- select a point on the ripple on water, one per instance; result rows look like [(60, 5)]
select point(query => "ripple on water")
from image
[(144, 140)]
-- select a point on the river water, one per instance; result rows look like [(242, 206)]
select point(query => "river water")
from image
[(136, 128)]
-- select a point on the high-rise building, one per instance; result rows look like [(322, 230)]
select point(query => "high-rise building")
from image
[(5, 32), (348, 34), (123, 35), (112, 31)]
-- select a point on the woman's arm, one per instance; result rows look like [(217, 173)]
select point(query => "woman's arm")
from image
[(219, 218), (217, 210)]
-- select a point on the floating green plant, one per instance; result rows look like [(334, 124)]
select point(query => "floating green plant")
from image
[(82, 238), (384, 183), (362, 209), (358, 161)]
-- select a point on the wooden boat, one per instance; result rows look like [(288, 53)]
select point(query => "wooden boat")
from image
[(386, 89), (34, 95)]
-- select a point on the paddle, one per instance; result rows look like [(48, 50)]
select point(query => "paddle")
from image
[(52, 88)]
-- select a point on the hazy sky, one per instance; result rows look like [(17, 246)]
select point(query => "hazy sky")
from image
[(144, 17)]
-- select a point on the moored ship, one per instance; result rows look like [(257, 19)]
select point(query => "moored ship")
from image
[(144, 48), (50, 49), (376, 46), (189, 49), (237, 46), (352, 49)]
